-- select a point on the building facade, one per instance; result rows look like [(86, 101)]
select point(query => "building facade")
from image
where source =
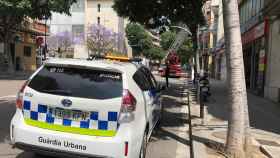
[(260, 32), (254, 27), (272, 82), (215, 40), (84, 14), (24, 47)]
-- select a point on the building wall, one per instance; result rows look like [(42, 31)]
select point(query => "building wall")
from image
[(220, 27), (61, 23), (108, 17), (87, 15), (28, 63), (220, 58), (272, 85)]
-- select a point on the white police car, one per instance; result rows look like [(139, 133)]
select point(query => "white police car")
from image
[(96, 108)]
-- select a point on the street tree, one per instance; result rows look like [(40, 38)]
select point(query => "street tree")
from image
[(156, 13), (101, 40), (15, 15), (155, 53), (138, 39), (61, 42), (166, 39), (238, 137)]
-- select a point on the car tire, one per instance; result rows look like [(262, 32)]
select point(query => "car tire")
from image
[(144, 145)]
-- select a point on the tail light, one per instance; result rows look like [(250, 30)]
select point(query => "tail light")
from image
[(19, 98), (126, 149), (128, 102)]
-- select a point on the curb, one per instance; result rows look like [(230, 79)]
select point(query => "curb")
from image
[(265, 152), (270, 151)]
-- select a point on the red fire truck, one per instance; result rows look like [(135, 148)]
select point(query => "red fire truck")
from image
[(174, 65)]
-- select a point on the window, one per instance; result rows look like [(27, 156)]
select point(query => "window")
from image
[(1, 47), (77, 30), (78, 82), (27, 51), (98, 20), (242, 14), (258, 6), (141, 80), (79, 6), (249, 9), (150, 77), (254, 6), (262, 4), (99, 7), (78, 33)]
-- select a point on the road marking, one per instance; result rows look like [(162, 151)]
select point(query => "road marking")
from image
[(8, 96), (3, 102)]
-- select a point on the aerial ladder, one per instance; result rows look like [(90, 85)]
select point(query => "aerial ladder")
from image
[(172, 58)]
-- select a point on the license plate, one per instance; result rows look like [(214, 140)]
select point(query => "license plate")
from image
[(74, 115)]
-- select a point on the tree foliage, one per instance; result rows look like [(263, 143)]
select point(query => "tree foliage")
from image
[(61, 40), (142, 43), (138, 38), (15, 16), (14, 12), (166, 39), (155, 53), (101, 40), (156, 13)]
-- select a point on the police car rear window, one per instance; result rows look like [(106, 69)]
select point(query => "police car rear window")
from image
[(78, 82)]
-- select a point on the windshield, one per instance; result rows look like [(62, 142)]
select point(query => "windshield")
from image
[(77, 82)]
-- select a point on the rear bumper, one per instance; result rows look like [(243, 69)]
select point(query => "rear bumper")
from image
[(60, 143), (48, 151)]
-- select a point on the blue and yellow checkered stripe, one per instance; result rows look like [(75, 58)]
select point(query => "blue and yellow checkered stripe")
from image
[(97, 125)]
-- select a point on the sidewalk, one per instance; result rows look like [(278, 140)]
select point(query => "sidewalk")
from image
[(171, 140), (18, 75), (264, 120)]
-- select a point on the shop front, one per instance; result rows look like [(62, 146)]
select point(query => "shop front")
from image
[(254, 54)]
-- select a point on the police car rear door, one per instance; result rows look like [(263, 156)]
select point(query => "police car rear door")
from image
[(70, 98)]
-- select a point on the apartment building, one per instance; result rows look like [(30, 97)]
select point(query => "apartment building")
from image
[(84, 14), (24, 47)]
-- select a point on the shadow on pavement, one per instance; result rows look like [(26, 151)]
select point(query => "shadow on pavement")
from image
[(7, 110), (264, 114), (166, 135)]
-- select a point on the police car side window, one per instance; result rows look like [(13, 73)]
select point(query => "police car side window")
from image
[(150, 78), (141, 80)]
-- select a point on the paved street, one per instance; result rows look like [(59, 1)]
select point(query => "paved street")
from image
[(169, 140), (9, 87)]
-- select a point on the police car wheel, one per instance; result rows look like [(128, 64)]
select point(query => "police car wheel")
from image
[(144, 146)]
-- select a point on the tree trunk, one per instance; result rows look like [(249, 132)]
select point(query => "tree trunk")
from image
[(238, 119)]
